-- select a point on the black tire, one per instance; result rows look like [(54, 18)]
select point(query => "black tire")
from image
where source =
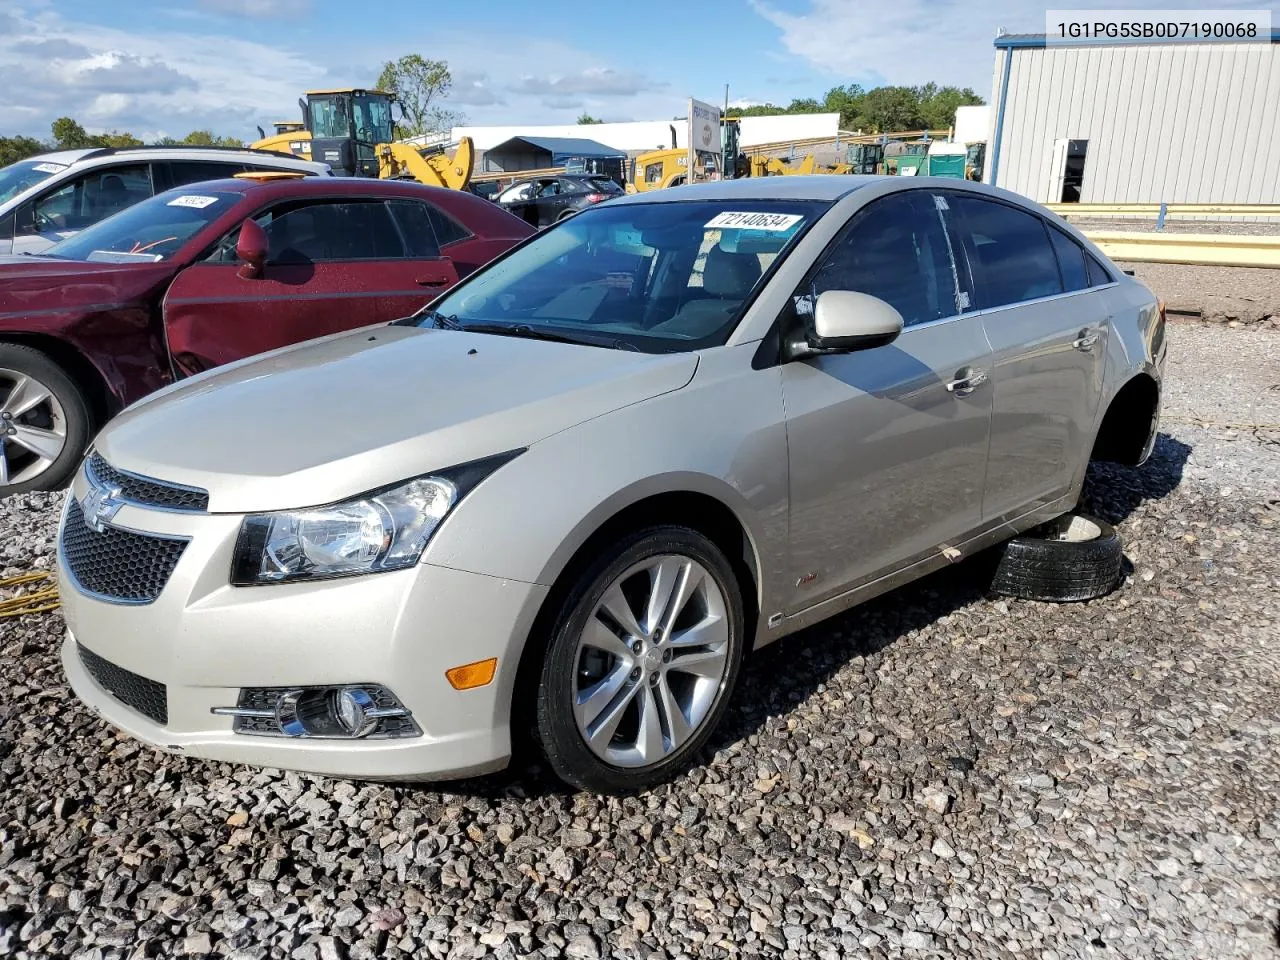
[(557, 732), (75, 408), (1075, 557)]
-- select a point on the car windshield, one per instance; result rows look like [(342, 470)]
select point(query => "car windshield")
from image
[(657, 277), (150, 231), (17, 177)]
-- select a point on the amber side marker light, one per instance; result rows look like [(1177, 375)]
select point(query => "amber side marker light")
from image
[(471, 675)]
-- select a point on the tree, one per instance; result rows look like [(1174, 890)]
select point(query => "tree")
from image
[(69, 135), (13, 149), (421, 86), (206, 138), (804, 105), (939, 110), (891, 108), (587, 118)]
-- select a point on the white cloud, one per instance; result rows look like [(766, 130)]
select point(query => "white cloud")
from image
[(594, 81), (912, 42), (166, 82), (259, 9), (116, 72), (194, 70), (473, 90)]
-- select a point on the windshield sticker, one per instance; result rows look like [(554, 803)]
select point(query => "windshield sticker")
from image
[(196, 202), (48, 168), (115, 256), (755, 221)]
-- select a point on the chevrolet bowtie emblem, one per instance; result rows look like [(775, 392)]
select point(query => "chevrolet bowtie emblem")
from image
[(100, 505)]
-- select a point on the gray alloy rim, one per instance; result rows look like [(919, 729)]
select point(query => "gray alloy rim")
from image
[(33, 427), (651, 661)]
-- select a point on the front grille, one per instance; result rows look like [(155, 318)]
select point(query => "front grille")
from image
[(148, 697), (117, 564), (148, 492)]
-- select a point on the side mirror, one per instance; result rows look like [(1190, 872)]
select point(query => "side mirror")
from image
[(251, 248), (844, 321)]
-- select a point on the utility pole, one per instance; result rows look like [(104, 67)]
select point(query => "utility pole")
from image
[(724, 138)]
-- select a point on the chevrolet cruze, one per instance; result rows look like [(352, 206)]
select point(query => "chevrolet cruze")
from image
[(575, 492)]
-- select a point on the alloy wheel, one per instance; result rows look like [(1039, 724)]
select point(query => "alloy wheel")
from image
[(651, 662), (33, 427)]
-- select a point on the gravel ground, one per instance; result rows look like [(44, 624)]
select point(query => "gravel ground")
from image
[(935, 774)]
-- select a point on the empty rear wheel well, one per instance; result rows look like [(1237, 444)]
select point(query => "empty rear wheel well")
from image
[(1128, 422), (698, 511), (102, 405)]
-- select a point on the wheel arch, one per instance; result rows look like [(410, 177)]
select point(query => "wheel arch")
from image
[(101, 401), (1127, 431), (689, 504)]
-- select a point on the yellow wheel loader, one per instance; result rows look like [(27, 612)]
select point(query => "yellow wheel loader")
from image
[(353, 131)]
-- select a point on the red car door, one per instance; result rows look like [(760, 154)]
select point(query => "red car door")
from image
[(332, 265)]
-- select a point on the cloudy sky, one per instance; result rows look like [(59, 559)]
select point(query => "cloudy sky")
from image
[(164, 68)]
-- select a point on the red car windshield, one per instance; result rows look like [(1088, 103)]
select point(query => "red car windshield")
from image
[(150, 231)]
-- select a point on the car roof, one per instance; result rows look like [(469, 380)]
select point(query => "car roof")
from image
[(328, 186), (829, 187), (177, 151)]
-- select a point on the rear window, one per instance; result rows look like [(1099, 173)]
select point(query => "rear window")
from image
[(604, 185)]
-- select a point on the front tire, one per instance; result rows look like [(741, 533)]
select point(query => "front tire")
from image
[(642, 660), (44, 422)]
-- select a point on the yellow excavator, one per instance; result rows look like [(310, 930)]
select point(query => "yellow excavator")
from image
[(353, 130)]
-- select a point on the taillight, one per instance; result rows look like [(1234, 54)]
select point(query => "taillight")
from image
[(596, 197)]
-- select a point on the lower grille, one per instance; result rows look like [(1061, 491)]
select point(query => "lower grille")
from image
[(117, 564), (148, 697)]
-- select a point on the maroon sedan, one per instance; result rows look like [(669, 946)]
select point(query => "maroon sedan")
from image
[(207, 274)]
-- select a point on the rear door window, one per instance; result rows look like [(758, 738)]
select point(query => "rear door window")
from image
[(415, 222), (1075, 275), (183, 172), (1098, 274), (895, 249), (1009, 251)]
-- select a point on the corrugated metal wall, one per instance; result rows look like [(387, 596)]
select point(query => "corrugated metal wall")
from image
[(1174, 124)]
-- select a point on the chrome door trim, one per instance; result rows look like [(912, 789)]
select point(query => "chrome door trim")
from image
[(913, 570)]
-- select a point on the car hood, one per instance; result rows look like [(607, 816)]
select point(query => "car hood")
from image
[(340, 416), (43, 283)]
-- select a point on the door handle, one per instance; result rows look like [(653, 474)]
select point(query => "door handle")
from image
[(967, 380), (1085, 340), (431, 281)]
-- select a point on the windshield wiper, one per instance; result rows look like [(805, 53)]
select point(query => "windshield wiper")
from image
[(538, 333), (436, 319)]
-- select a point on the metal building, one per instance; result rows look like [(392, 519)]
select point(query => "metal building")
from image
[(1143, 123)]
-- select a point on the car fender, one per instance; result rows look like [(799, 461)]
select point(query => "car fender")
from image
[(722, 436)]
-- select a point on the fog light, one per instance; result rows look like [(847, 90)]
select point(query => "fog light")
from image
[(350, 712)]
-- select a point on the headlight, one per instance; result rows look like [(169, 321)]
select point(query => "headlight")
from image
[(387, 530)]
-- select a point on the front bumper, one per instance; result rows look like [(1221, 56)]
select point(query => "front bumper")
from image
[(205, 640)]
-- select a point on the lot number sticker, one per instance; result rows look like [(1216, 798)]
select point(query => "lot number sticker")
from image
[(48, 168), (198, 203), (754, 221)]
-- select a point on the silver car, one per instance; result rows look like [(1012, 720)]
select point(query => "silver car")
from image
[(574, 493)]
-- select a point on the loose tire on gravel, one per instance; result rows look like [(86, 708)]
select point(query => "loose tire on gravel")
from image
[(1074, 557), (642, 659), (45, 419)]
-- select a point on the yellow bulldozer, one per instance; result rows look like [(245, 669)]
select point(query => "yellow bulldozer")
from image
[(353, 130)]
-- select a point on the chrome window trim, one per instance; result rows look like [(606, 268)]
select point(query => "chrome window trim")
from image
[(1008, 306), (1055, 296)]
